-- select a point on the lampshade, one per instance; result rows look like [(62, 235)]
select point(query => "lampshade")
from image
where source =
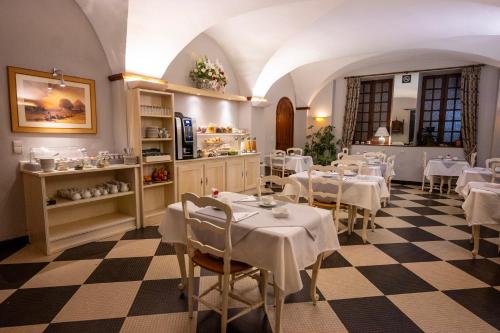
[(382, 131)]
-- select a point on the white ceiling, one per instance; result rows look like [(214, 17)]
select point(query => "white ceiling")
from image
[(314, 40)]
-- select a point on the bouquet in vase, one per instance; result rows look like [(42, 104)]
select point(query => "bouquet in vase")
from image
[(207, 74)]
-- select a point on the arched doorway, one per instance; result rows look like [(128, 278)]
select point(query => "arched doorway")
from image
[(284, 124)]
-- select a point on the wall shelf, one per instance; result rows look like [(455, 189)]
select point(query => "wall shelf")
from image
[(205, 93), (153, 116), (61, 202), (158, 184), (156, 139), (156, 162)]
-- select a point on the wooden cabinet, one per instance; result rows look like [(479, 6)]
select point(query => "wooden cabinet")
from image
[(235, 175), (252, 172), (215, 176), (190, 178)]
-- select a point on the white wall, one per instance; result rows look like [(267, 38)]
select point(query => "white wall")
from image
[(321, 107), (41, 35)]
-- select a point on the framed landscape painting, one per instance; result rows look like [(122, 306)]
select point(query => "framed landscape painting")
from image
[(39, 104)]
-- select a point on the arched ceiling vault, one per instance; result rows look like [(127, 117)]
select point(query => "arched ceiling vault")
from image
[(311, 39)]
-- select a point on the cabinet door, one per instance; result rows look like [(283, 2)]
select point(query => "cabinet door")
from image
[(215, 176), (235, 175), (252, 172), (190, 179)]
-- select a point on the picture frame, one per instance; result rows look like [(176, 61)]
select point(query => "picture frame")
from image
[(39, 104)]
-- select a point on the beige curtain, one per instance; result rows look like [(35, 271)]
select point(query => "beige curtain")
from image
[(470, 91), (351, 111)]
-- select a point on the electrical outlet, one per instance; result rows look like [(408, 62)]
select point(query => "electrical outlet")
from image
[(17, 147)]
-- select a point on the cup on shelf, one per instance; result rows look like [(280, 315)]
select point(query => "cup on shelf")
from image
[(48, 164)]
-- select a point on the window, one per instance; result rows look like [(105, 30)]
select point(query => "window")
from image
[(441, 109), (374, 108)]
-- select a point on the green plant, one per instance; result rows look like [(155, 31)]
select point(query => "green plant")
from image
[(321, 145)]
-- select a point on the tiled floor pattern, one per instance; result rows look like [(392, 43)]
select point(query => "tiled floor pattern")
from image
[(415, 274)]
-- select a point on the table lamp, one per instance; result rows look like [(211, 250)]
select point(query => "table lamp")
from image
[(381, 133)]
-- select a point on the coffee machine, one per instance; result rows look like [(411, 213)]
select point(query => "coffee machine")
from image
[(185, 137)]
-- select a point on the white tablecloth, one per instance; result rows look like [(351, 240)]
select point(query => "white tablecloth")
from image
[(482, 204), (361, 191), (295, 163), (472, 175), (450, 168), (375, 170), (284, 250)]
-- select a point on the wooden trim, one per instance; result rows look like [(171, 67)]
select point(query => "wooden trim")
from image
[(300, 108), (416, 70), (205, 93), (11, 74)]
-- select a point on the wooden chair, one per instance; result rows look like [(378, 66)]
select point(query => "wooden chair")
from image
[(340, 156), (424, 165), (360, 158), (378, 154), (473, 158), (491, 160), (277, 160), (388, 174), (217, 260), (294, 151), (345, 151), (332, 201), (289, 182), (495, 169)]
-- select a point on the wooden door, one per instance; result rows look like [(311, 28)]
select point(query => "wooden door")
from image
[(190, 179), (284, 124), (215, 176), (235, 175), (252, 172)]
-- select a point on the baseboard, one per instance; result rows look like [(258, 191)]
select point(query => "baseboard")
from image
[(14, 242)]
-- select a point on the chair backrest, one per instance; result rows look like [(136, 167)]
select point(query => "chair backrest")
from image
[(378, 154), (390, 167), (340, 156), (192, 223), (424, 159), (294, 151), (495, 169), (491, 160), (277, 160), (336, 180), (293, 187), (345, 151), (347, 164), (473, 157)]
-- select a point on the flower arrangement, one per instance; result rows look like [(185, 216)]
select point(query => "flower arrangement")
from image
[(208, 75)]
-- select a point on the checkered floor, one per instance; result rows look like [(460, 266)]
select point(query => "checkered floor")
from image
[(416, 274)]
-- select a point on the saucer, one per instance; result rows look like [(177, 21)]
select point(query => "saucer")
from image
[(271, 204)]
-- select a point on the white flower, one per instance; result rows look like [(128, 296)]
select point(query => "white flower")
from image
[(203, 70), (196, 70)]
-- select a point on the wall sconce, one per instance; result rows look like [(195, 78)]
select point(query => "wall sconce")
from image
[(58, 72), (319, 119)]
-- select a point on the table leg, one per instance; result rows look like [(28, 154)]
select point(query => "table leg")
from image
[(180, 250), (441, 184), (372, 220), (431, 181), (280, 300), (475, 236), (366, 215), (314, 278), (449, 185)]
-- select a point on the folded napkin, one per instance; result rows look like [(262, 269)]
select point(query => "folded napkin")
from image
[(249, 198), (238, 214)]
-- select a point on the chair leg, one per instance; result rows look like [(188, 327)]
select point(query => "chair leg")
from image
[(423, 182), (314, 279), (366, 215), (449, 185), (264, 275), (372, 221), (225, 300), (441, 185), (475, 236), (190, 288)]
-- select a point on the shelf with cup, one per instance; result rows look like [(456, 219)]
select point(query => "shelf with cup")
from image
[(70, 223), (61, 202), (151, 128)]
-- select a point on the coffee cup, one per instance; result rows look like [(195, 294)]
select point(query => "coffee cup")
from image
[(267, 200), (48, 164)]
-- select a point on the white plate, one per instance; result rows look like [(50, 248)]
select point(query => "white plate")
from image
[(272, 204)]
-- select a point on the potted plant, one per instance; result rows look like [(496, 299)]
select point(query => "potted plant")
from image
[(321, 145), (208, 75)]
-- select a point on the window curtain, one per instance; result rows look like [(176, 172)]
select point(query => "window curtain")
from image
[(351, 111), (470, 93)]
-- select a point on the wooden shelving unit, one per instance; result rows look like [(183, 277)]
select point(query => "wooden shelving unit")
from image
[(154, 198), (205, 93), (69, 223)]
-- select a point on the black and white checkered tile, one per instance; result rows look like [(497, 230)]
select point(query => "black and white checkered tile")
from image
[(415, 273)]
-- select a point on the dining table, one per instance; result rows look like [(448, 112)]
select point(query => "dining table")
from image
[(481, 206), (444, 167), (295, 163), (360, 191), (472, 175), (281, 245)]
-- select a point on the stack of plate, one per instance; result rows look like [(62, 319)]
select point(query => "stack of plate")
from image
[(152, 132)]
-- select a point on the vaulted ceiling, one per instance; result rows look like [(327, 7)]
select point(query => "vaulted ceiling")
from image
[(313, 40)]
